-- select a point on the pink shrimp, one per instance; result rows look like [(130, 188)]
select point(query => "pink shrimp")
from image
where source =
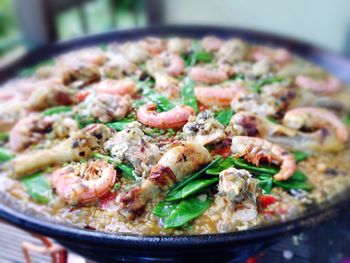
[(153, 45), (255, 149), (211, 43), (279, 55), (221, 96), (116, 87), (209, 76), (330, 86), (173, 63), (319, 118), (84, 183), (174, 118)]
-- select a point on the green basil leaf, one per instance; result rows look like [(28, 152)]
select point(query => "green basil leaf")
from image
[(164, 208), (119, 125), (191, 188), (193, 176), (265, 183), (5, 155), (38, 187), (162, 102), (224, 116), (56, 110), (262, 168), (220, 166), (187, 94), (300, 156), (186, 211)]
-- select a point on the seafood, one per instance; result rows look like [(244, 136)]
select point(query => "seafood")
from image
[(106, 107), (174, 118), (208, 76), (329, 86), (83, 183), (316, 118), (75, 148), (175, 165), (177, 45), (117, 66), (256, 149), (116, 87), (220, 96), (211, 43), (154, 45), (232, 51), (279, 55)]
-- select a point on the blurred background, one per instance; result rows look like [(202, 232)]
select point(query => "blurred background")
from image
[(30, 24), (27, 24)]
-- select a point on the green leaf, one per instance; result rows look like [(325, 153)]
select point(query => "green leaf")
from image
[(191, 188), (265, 183), (4, 136), (84, 120), (56, 110), (193, 176), (224, 116), (149, 94), (291, 184), (300, 156), (198, 55), (256, 86), (5, 155), (186, 211), (38, 187), (346, 119), (120, 125), (203, 56), (298, 176), (272, 119), (164, 208), (187, 94)]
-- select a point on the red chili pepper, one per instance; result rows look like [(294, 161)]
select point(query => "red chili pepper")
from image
[(267, 200), (252, 260), (82, 94), (107, 198)]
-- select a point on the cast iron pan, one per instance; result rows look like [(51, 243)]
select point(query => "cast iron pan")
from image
[(237, 246)]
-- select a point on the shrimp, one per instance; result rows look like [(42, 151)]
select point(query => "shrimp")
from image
[(208, 76), (107, 107), (167, 85), (329, 86), (211, 43), (77, 147), (83, 183), (116, 87), (175, 165), (154, 45), (278, 55), (256, 149), (174, 118), (316, 118), (220, 96), (173, 63), (178, 45)]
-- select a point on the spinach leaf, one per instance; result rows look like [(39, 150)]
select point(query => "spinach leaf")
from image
[(293, 184), (85, 120), (187, 94), (164, 208), (224, 116), (193, 176), (38, 187), (120, 125), (127, 171), (149, 94), (191, 188), (56, 110), (300, 156), (198, 55), (265, 183), (4, 136), (186, 211), (5, 155)]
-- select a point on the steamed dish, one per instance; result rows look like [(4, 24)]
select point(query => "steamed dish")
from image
[(173, 136)]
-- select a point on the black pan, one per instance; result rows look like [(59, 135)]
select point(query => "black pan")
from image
[(237, 246)]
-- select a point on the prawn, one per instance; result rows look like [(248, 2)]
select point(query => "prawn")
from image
[(175, 165), (221, 96), (174, 118), (116, 87), (211, 43), (316, 118), (329, 86), (154, 45), (279, 55), (255, 149), (208, 76), (84, 183)]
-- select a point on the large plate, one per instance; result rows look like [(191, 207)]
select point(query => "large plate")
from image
[(237, 245)]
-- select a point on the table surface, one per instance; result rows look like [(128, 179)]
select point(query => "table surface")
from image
[(329, 242)]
